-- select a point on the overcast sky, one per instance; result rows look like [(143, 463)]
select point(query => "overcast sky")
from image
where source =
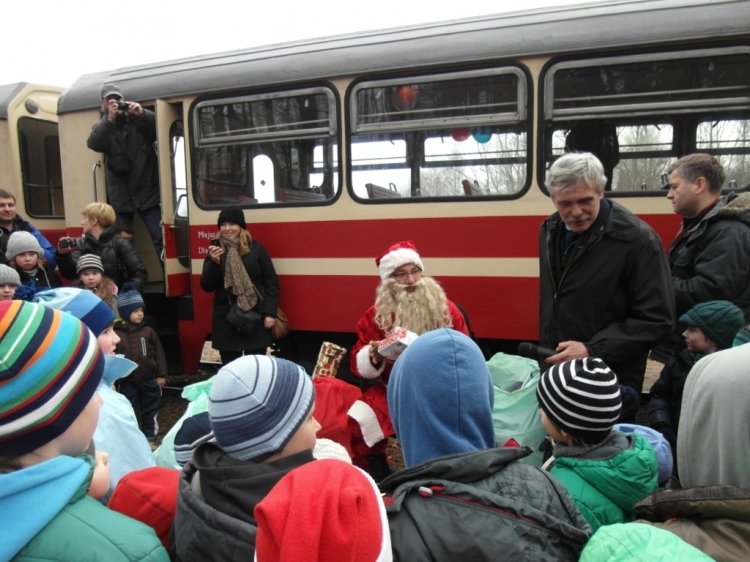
[(54, 42)]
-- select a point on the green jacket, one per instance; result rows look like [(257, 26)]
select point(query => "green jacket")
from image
[(637, 542), (85, 530), (606, 481)]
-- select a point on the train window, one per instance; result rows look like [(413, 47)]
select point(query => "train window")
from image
[(638, 113), (266, 149), (729, 140), (39, 146), (458, 134)]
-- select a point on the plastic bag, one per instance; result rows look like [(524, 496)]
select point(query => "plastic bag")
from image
[(516, 412), (197, 396)]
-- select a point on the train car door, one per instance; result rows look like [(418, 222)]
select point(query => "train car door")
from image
[(174, 204)]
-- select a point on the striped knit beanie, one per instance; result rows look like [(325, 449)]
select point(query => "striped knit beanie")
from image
[(257, 403), (129, 300), (582, 397), (81, 303), (89, 261), (50, 366)]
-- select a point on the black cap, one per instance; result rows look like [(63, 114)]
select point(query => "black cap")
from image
[(232, 214)]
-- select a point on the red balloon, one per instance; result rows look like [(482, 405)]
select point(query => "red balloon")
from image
[(407, 95), (461, 134)]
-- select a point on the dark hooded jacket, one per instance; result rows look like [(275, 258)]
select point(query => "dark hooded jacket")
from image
[(215, 503), (130, 160), (459, 497), (614, 294), (712, 260)]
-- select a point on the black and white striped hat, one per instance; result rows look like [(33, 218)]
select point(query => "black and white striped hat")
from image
[(582, 397)]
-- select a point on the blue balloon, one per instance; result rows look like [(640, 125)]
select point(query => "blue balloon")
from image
[(482, 135)]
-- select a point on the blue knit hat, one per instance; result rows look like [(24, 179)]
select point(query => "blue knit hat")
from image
[(193, 432), (257, 403), (50, 366), (720, 320), (128, 301), (81, 303), (657, 441)]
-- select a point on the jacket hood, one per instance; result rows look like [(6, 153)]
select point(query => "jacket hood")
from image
[(235, 486), (33, 496), (735, 206), (440, 397), (623, 477), (117, 367)]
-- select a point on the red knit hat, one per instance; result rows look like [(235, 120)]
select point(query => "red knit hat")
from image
[(148, 495), (324, 510), (401, 253)]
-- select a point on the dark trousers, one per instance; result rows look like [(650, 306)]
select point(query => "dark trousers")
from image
[(145, 397), (227, 356), (152, 219)]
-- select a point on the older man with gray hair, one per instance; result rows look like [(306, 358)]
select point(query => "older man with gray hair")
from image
[(605, 285)]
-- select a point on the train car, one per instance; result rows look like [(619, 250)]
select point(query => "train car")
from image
[(30, 166), (438, 133)]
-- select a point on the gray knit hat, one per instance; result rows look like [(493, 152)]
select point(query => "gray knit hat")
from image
[(21, 241), (581, 396), (719, 320), (89, 261), (257, 403), (8, 275)]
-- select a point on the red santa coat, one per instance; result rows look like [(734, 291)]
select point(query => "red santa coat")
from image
[(371, 412)]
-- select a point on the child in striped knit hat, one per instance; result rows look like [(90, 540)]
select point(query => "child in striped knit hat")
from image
[(90, 272), (261, 413), (606, 472), (50, 366)]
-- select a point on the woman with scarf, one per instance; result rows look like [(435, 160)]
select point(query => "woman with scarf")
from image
[(239, 271)]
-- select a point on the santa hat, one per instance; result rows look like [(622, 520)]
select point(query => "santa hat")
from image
[(401, 253), (323, 510)]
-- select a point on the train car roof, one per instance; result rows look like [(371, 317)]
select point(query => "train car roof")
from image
[(564, 29), (8, 92)]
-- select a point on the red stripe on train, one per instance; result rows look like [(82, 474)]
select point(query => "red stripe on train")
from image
[(466, 237)]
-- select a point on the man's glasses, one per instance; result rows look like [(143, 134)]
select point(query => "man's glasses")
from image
[(415, 273)]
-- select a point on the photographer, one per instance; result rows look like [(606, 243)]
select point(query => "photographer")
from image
[(125, 135)]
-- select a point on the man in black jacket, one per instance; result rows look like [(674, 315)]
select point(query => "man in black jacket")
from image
[(125, 135), (604, 278), (710, 255)]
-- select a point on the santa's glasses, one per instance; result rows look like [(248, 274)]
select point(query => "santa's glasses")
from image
[(402, 276)]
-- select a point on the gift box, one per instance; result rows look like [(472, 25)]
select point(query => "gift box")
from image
[(395, 343), (329, 359)]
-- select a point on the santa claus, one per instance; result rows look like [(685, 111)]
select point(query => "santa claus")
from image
[(405, 298)]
